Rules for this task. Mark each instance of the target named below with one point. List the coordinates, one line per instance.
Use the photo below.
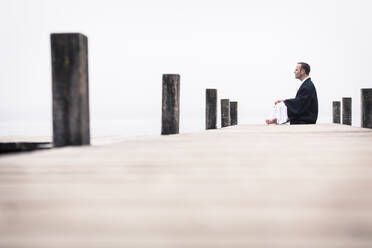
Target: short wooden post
(366, 113)
(234, 113)
(336, 106)
(225, 113)
(211, 109)
(170, 104)
(346, 111)
(70, 89)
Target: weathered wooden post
(346, 111)
(366, 113)
(234, 113)
(210, 109)
(170, 104)
(70, 89)
(225, 113)
(336, 106)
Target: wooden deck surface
(242, 186)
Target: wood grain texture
(170, 122)
(225, 113)
(366, 108)
(210, 108)
(241, 186)
(234, 113)
(336, 109)
(70, 87)
(346, 111)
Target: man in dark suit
(303, 109)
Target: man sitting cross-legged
(303, 109)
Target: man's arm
(298, 105)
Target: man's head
(302, 70)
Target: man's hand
(278, 101)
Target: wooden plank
(241, 186)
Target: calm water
(102, 127)
(98, 128)
(113, 127)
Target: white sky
(245, 49)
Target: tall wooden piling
(366, 111)
(210, 109)
(225, 113)
(336, 107)
(170, 104)
(346, 111)
(234, 113)
(70, 89)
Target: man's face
(298, 72)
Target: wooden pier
(240, 186)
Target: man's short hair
(305, 67)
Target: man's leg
(278, 115)
(281, 113)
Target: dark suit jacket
(304, 108)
